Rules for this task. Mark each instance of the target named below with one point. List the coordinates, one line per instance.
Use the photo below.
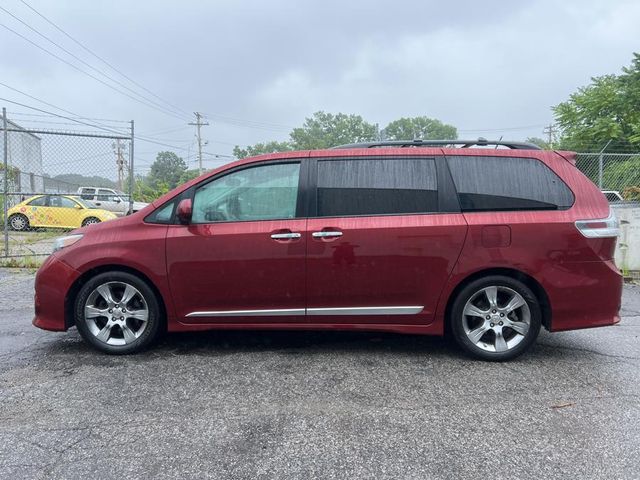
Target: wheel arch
(528, 280)
(82, 279)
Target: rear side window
(376, 187)
(507, 183)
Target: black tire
(147, 298)
(19, 222)
(90, 221)
(464, 326)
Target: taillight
(599, 228)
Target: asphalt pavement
(256, 405)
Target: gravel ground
(315, 405)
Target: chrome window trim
(402, 310)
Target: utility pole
(551, 131)
(199, 123)
(117, 147)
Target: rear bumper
(584, 295)
(53, 281)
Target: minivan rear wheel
(117, 313)
(495, 318)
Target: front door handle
(326, 234)
(285, 236)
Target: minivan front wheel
(496, 318)
(117, 312)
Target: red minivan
(419, 237)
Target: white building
(24, 159)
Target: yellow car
(58, 211)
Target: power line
(144, 139)
(100, 72)
(41, 115)
(91, 52)
(62, 116)
(49, 105)
(249, 123)
(166, 112)
(168, 130)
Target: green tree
(607, 109)
(424, 128)
(621, 174)
(539, 142)
(167, 169)
(144, 192)
(260, 148)
(326, 130)
(189, 175)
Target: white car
(109, 199)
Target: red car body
(387, 260)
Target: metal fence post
(6, 182)
(600, 161)
(131, 179)
(600, 164)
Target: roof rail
(480, 142)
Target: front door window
(267, 192)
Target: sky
(258, 68)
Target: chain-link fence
(616, 173)
(54, 180)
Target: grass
(26, 262)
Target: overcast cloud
(477, 65)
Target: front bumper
(53, 282)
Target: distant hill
(78, 180)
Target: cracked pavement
(315, 405)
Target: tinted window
(507, 183)
(376, 186)
(267, 192)
(38, 202)
(88, 193)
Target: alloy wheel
(116, 313)
(496, 318)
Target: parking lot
(315, 405)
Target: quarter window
(377, 186)
(162, 214)
(507, 183)
(266, 192)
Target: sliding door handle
(326, 234)
(285, 236)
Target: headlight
(67, 241)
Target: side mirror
(184, 211)
(118, 200)
(78, 207)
